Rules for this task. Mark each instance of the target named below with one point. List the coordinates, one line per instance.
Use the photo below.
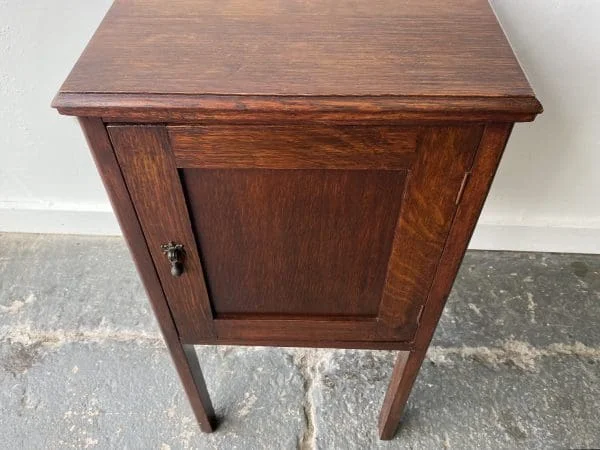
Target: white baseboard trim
(64, 219)
(560, 239)
(56, 220)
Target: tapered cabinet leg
(184, 356)
(408, 364)
(405, 372)
(188, 367)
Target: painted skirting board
(100, 220)
(536, 238)
(58, 219)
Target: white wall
(545, 196)
(48, 182)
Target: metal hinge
(420, 314)
(462, 187)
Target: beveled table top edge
(186, 107)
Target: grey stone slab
(80, 282)
(533, 297)
(108, 395)
(514, 363)
(59, 282)
(460, 403)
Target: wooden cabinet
(311, 235)
(295, 173)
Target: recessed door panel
(294, 242)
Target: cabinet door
(315, 235)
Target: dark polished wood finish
(408, 364)
(155, 191)
(321, 164)
(423, 225)
(323, 247)
(297, 147)
(153, 108)
(183, 355)
(300, 48)
(410, 59)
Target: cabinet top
(226, 55)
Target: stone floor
(515, 363)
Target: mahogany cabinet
(298, 173)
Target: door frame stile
(151, 176)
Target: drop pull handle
(175, 255)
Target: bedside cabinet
(298, 173)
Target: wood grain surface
(406, 369)
(323, 163)
(211, 52)
(300, 47)
(285, 242)
(236, 109)
(307, 147)
(149, 170)
(445, 156)
(184, 357)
